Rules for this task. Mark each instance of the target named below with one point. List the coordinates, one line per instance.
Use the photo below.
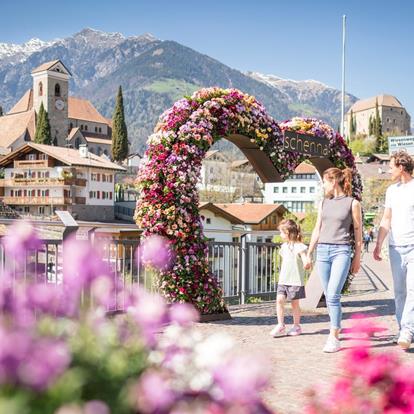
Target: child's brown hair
(292, 229)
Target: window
(311, 189)
(100, 129)
(293, 190)
(275, 189)
(77, 142)
(303, 190)
(40, 89)
(31, 157)
(284, 190)
(11, 193)
(41, 210)
(208, 220)
(70, 125)
(86, 127)
(57, 90)
(96, 129)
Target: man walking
(398, 220)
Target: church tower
(51, 86)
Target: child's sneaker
(295, 330)
(278, 330)
(405, 338)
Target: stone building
(73, 121)
(394, 118)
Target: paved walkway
(297, 363)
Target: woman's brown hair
(342, 177)
(292, 229)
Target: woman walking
(338, 226)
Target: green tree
(119, 130)
(42, 135)
(370, 126)
(382, 142)
(1, 111)
(352, 126)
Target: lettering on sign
(306, 144)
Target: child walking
(291, 279)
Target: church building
(73, 121)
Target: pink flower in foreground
(96, 407)
(241, 379)
(156, 251)
(183, 314)
(153, 393)
(21, 237)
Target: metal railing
(244, 269)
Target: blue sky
(293, 39)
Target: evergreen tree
(119, 130)
(1, 111)
(382, 142)
(370, 128)
(377, 122)
(351, 125)
(43, 135)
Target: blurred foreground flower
(21, 238)
(156, 251)
(371, 382)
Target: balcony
(80, 182)
(37, 200)
(80, 200)
(44, 181)
(34, 163)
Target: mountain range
(154, 74)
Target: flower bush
(168, 203)
(61, 354)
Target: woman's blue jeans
(333, 262)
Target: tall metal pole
(343, 76)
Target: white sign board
(401, 143)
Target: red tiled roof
(25, 103)
(79, 108)
(13, 126)
(304, 168)
(68, 156)
(250, 213)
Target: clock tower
(51, 86)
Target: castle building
(73, 121)
(394, 118)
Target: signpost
(401, 143)
(306, 144)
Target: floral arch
(168, 203)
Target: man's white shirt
(400, 199)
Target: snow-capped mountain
(13, 53)
(153, 74)
(308, 97)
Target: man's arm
(385, 226)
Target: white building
(39, 179)
(298, 193)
